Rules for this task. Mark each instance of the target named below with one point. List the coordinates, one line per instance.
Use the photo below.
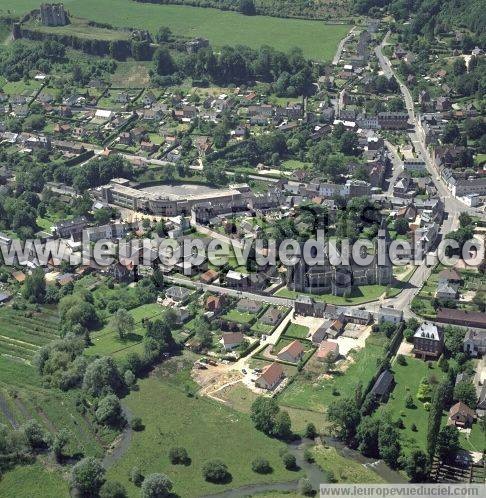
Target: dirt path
(121, 444)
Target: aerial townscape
(226, 130)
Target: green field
(296, 330)
(239, 316)
(107, 342)
(23, 334)
(33, 481)
(317, 394)
(205, 428)
(317, 39)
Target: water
(313, 472)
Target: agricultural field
(316, 394)
(194, 423)
(23, 333)
(316, 39)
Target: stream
(313, 471)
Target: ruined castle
(54, 14)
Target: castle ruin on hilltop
(54, 14)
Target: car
(244, 371)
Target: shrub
(136, 476)
(156, 486)
(261, 466)
(136, 424)
(401, 360)
(310, 431)
(216, 471)
(112, 489)
(178, 455)
(308, 456)
(305, 487)
(289, 461)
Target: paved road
(397, 166)
(339, 51)
(277, 301)
(451, 203)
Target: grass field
(317, 394)
(344, 469)
(33, 481)
(317, 39)
(205, 428)
(22, 335)
(296, 330)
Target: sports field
(317, 39)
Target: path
(339, 50)
(121, 444)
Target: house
(461, 415)
(389, 314)
(428, 341)
(4, 297)
(209, 276)
(178, 294)
(214, 303)
(320, 333)
(474, 343)
(383, 386)
(327, 348)
(447, 290)
(71, 228)
(450, 275)
(248, 306)
(272, 316)
(270, 377)
(475, 319)
(293, 352)
(336, 328)
(231, 340)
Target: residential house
(388, 314)
(215, 303)
(231, 340)
(428, 341)
(209, 276)
(293, 352)
(249, 306)
(326, 349)
(178, 294)
(270, 377)
(461, 415)
(475, 343)
(475, 319)
(272, 316)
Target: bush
(310, 431)
(87, 476)
(261, 466)
(136, 476)
(156, 486)
(401, 360)
(289, 461)
(136, 424)
(112, 489)
(216, 471)
(305, 487)
(178, 455)
(308, 456)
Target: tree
(109, 411)
(164, 64)
(136, 476)
(263, 413)
(247, 7)
(401, 226)
(216, 471)
(156, 486)
(102, 376)
(367, 436)
(112, 489)
(178, 455)
(388, 443)
(465, 391)
(409, 403)
(87, 476)
(344, 416)
(447, 442)
(164, 34)
(34, 289)
(60, 441)
(129, 378)
(282, 428)
(451, 133)
(261, 466)
(349, 143)
(465, 219)
(34, 434)
(122, 323)
(417, 466)
(310, 431)
(305, 487)
(289, 461)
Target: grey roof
(383, 384)
(429, 331)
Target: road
(339, 51)
(397, 166)
(452, 204)
(276, 301)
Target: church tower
(384, 266)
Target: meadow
(317, 39)
(172, 418)
(317, 396)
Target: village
(383, 145)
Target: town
(121, 122)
